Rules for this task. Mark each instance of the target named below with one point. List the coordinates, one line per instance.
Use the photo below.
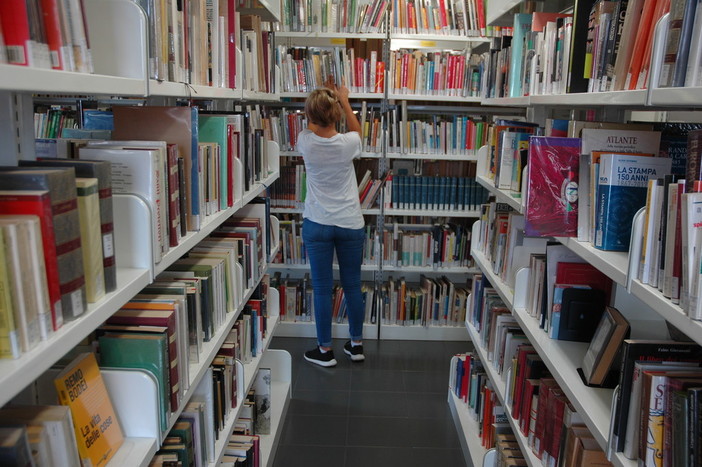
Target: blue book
(460, 196)
(522, 27)
(555, 321)
(423, 196)
(452, 195)
(621, 192)
(395, 191)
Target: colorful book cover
(81, 388)
(91, 238)
(621, 192)
(552, 187)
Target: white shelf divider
(614, 264)
(16, 374)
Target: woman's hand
(342, 92)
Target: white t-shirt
(332, 188)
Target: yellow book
(81, 388)
(90, 237)
(9, 342)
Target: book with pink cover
(552, 187)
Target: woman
(332, 216)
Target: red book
(552, 195)
(531, 387)
(557, 403)
(173, 195)
(162, 314)
(380, 77)
(39, 204)
(442, 13)
(465, 381)
(52, 29)
(481, 16)
(583, 274)
(542, 419)
(522, 352)
(644, 31)
(15, 29)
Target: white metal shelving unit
(512, 198)
(468, 429)
(36, 80)
(307, 329)
(432, 156)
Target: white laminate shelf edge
(432, 156)
(330, 35)
(690, 96)
(613, 264)
(432, 98)
(425, 333)
(134, 452)
(499, 387)
(15, 375)
(467, 428)
(430, 269)
(668, 310)
(27, 79)
(505, 292)
(431, 213)
(512, 198)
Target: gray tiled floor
(388, 411)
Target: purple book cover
(552, 187)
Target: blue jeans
(320, 243)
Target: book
(262, 390)
(102, 171)
(142, 351)
(91, 238)
(611, 331)
(56, 420)
(9, 338)
(650, 350)
(80, 387)
(174, 125)
(552, 182)
(61, 185)
(14, 447)
(621, 189)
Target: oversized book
(552, 187)
(61, 185)
(621, 192)
(80, 386)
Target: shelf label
(337, 41)
(427, 43)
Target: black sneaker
(322, 359)
(355, 352)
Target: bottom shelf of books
(466, 425)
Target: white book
(691, 226)
(671, 227)
(653, 260)
(693, 77)
(647, 248)
(135, 171)
(205, 393)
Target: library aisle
(388, 411)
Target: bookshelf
(468, 428)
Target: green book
(143, 351)
(183, 429)
(207, 295)
(213, 129)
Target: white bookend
(134, 395)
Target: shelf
(308, 329)
(499, 12)
(426, 39)
(37, 80)
(352, 95)
(259, 96)
(280, 397)
(369, 211)
(467, 428)
(306, 267)
(507, 101)
(669, 97)
(250, 370)
(614, 264)
(499, 387)
(432, 156)
(330, 35)
(194, 91)
(433, 98)
(431, 213)
(135, 452)
(628, 98)
(512, 198)
(431, 269)
(15, 375)
(562, 359)
(428, 333)
(364, 154)
(667, 309)
(503, 290)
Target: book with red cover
(54, 37)
(39, 204)
(531, 387)
(542, 419)
(15, 29)
(557, 401)
(61, 185)
(522, 352)
(147, 314)
(552, 187)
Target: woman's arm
(351, 121)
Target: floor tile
(421, 381)
(309, 456)
(389, 432)
(314, 377)
(314, 430)
(376, 380)
(378, 404)
(319, 402)
(428, 405)
(403, 457)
